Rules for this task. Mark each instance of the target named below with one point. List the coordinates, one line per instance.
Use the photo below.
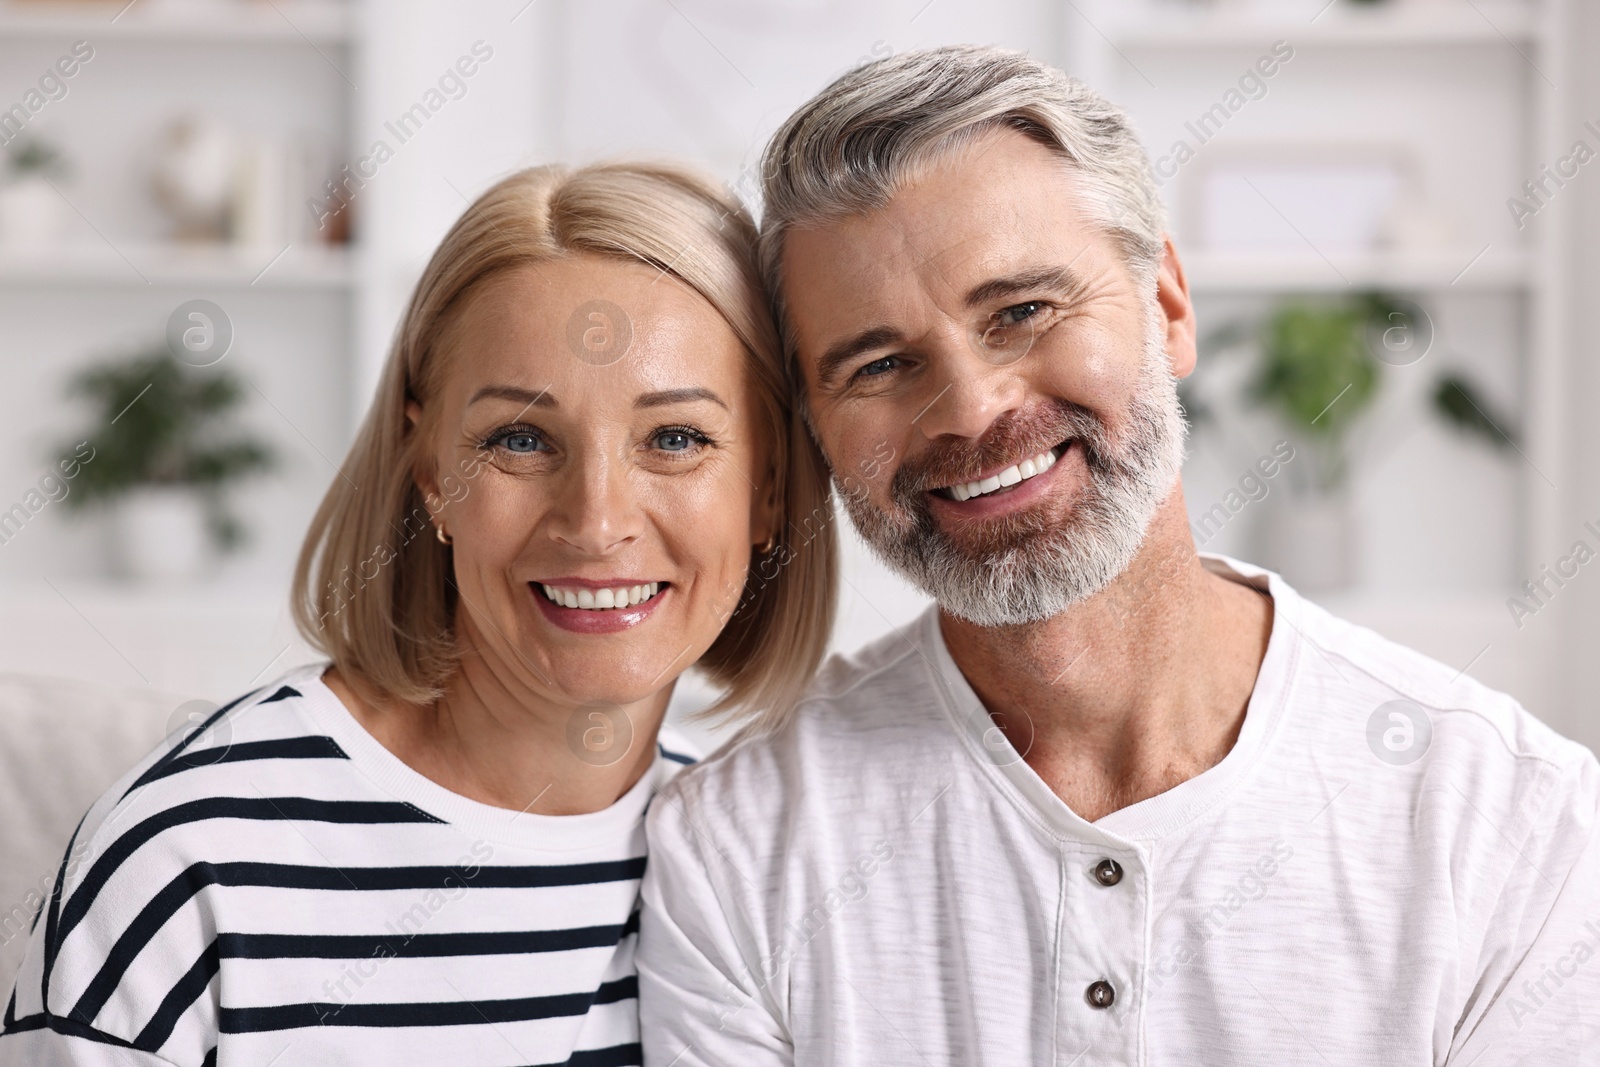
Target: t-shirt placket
(1104, 890)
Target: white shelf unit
(1393, 25)
(171, 265)
(285, 67)
(327, 23)
(1461, 270)
(1140, 51)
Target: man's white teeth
(602, 599)
(1010, 476)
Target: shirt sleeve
(704, 997)
(44, 1047)
(1536, 995)
(34, 1034)
(102, 984)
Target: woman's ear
(765, 514)
(422, 472)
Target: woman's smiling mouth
(608, 598)
(585, 606)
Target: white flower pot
(1310, 540)
(159, 535)
(32, 215)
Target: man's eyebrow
(516, 394)
(676, 396)
(842, 352)
(1062, 280)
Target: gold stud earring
(438, 531)
(772, 542)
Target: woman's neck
(492, 739)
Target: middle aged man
(1111, 802)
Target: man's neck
(1133, 691)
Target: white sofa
(62, 744)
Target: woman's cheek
(711, 519)
(501, 510)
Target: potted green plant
(31, 211)
(1317, 371)
(1317, 374)
(164, 458)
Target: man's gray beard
(1034, 569)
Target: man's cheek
(865, 463)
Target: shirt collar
(1157, 816)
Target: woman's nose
(595, 511)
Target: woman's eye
(673, 441)
(879, 366)
(521, 442)
(676, 440)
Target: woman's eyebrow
(676, 396)
(541, 399)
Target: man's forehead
(974, 208)
(924, 246)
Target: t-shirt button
(1108, 872)
(1100, 994)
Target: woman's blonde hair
(373, 588)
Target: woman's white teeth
(1028, 468)
(601, 599)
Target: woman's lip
(595, 583)
(1012, 498)
(591, 621)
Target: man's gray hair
(847, 150)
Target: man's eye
(1017, 313)
(879, 366)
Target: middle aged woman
(574, 483)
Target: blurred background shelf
(179, 266)
(189, 148)
(258, 21)
(1284, 272)
(1338, 25)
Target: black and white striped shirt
(279, 888)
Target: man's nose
(966, 392)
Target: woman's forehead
(585, 320)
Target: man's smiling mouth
(1015, 474)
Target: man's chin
(1009, 584)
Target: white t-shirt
(281, 889)
(1393, 865)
